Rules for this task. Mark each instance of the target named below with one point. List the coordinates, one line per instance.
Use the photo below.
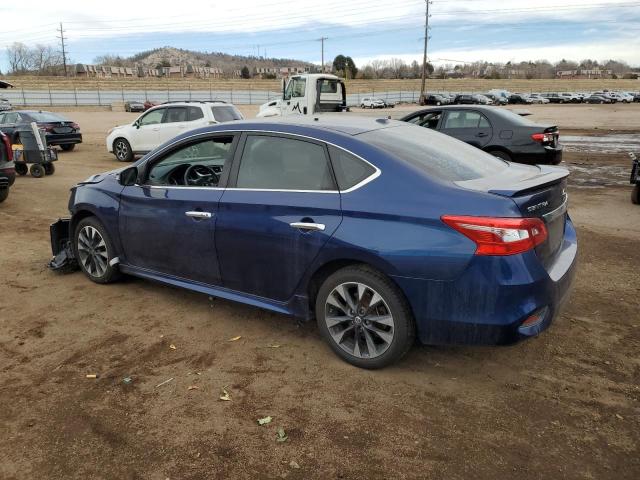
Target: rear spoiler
(522, 113)
(517, 180)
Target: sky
(460, 30)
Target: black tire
(49, 168)
(122, 150)
(501, 154)
(403, 330)
(111, 272)
(635, 195)
(4, 194)
(21, 168)
(36, 170)
(68, 147)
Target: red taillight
(7, 144)
(499, 236)
(542, 137)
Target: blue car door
(281, 207)
(167, 223)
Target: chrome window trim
(362, 183)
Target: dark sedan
(59, 131)
(436, 100)
(520, 99)
(465, 99)
(7, 168)
(381, 230)
(134, 106)
(499, 132)
(597, 99)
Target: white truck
(308, 94)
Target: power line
(64, 54)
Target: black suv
(7, 168)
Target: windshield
(46, 117)
(437, 154)
(225, 113)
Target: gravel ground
(564, 405)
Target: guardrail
(77, 97)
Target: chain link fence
(98, 97)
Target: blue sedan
(381, 230)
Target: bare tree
(18, 57)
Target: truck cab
(308, 95)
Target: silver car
(5, 105)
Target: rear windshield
(46, 117)
(226, 113)
(437, 154)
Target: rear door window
(461, 119)
(195, 113)
(175, 115)
(280, 163)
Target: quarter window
(349, 169)
(278, 163)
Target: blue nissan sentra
(381, 230)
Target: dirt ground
(563, 405)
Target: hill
(168, 56)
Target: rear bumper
(64, 138)
(539, 155)
(489, 302)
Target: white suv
(370, 102)
(164, 122)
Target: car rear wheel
(69, 147)
(364, 317)
(36, 170)
(94, 251)
(122, 150)
(4, 193)
(501, 154)
(635, 195)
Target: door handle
(481, 134)
(198, 214)
(308, 226)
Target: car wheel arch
(324, 271)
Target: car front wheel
(122, 150)
(94, 251)
(364, 317)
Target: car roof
(342, 123)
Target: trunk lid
(539, 192)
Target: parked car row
(503, 97)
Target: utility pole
(424, 58)
(322, 39)
(64, 53)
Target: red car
(7, 168)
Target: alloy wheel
(359, 320)
(92, 251)
(122, 150)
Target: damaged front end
(63, 257)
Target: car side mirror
(136, 124)
(128, 176)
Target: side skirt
(297, 306)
